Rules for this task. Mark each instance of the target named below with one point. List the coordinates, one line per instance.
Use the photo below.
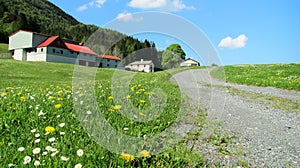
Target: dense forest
(44, 17)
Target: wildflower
(142, 101)
(89, 112)
(58, 116)
(37, 135)
(21, 149)
(53, 149)
(50, 129)
(33, 131)
(144, 153)
(111, 110)
(117, 107)
(54, 153)
(61, 133)
(127, 157)
(110, 97)
(128, 97)
(22, 98)
(36, 150)
(51, 139)
(61, 125)
(78, 165)
(63, 158)
(51, 97)
(58, 106)
(79, 152)
(126, 129)
(37, 141)
(11, 165)
(36, 163)
(44, 153)
(41, 113)
(59, 99)
(27, 159)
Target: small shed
(189, 62)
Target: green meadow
(40, 126)
(3, 48)
(284, 76)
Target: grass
(36, 96)
(284, 76)
(3, 48)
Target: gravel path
(269, 137)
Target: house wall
(109, 63)
(21, 39)
(19, 54)
(142, 68)
(38, 54)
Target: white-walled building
(31, 46)
(189, 62)
(141, 66)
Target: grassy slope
(3, 48)
(285, 76)
(31, 87)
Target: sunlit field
(285, 76)
(40, 126)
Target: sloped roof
(141, 63)
(79, 48)
(48, 41)
(111, 57)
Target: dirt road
(269, 137)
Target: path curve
(271, 136)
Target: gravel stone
(269, 137)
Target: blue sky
(242, 32)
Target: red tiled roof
(111, 57)
(82, 49)
(48, 41)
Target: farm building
(189, 62)
(108, 61)
(31, 46)
(141, 66)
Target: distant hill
(44, 17)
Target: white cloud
(82, 8)
(229, 42)
(99, 3)
(96, 3)
(165, 5)
(126, 17)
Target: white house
(141, 66)
(189, 62)
(31, 46)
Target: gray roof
(141, 63)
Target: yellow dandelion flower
(59, 99)
(117, 107)
(110, 97)
(142, 101)
(111, 110)
(58, 106)
(22, 98)
(128, 97)
(144, 153)
(80, 95)
(127, 157)
(51, 97)
(50, 129)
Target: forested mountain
(44, 17)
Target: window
(72, 52)
(116, 61)
(61, 52)
(107, 65)
(108, 60)
(42, 49)
(53, 50)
